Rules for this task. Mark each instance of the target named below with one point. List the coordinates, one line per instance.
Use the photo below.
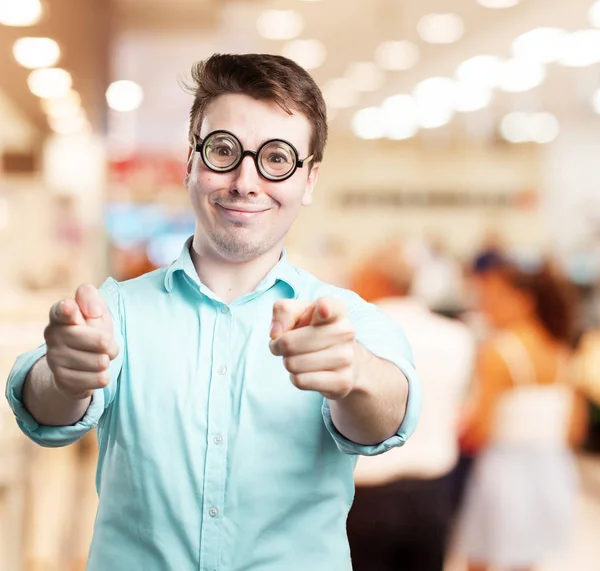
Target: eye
(221, 150)
(278, 158)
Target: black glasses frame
(199, 146)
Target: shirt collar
(282, 271)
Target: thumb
(287, 313)
(93, 307)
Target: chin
(236, 250)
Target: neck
(231, 280)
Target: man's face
(240, 215)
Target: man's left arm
(375, 408)
(372, 395)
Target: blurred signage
(146, 170)
(437, 199)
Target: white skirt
(519, 505)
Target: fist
(80, 343)
(318, 345)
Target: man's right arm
(46, 403)
(80, 346)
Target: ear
(307, 197)
(188, 167)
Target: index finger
(328, 310)
(66, 312)
(286, 314)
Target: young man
(230, 390)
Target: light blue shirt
(210, 459)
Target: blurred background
(457, 127)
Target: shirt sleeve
(383, 337)
(54, 436)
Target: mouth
(238, 212)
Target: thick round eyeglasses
(276, 160)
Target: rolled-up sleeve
(54, 436)
(385, 339)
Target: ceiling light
(124, 95)
(441, 28)
(20, 12)
(339, 93)
(435, 99)
(484, 70)
(400, 117)
(497, 4)
(543, 128)
(541, 45)
(397, 55)
(435, 91)
(365, 76)
(580, 49)
(514, 127)
(523, 128)
(471, 97)
(280, 24)
(596, 102)
(69, 125)
(401, 131)
(594, 14)
(368, 123)
(49, 82)
(310, 54)
(33, 53)
(519, 75)
(68, 104)
(433, 118)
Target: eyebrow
(262, 142)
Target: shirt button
(213, 512)
(224, 309)
(222, 370)
(218, 439)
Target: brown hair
(554, 297)
(263, 77)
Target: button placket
(218, 422)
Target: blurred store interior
(455, 125)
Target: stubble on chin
(236, 247)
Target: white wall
(386, 166)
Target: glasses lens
(277, 159)
(221, 151)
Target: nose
(247, 179)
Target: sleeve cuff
(51, 436)
(409, 423)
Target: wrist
(362, 358)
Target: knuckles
(103, 379)
(285, 344)
(345, 331)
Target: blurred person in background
(588, 364)
(216, 453)
(438, 279)
(403, 507)
(522, 421)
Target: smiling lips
(239, 212)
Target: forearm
(46, 403)
(375, 408)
